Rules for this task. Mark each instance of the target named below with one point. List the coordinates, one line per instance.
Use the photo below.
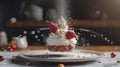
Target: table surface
(95, 48)
(101, 62)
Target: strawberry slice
(70, 34)
(52, 27)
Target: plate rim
(101, 54)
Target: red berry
(52, 27)
(1, 58)
(113, 55)
(13, 47)
(70, 34)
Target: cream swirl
(55, 40)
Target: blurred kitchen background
(97, 22)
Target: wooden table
(95, 48)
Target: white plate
(48, 56)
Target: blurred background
(97, 22)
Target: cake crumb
(13, 60)
(28, 64)
(61, 65)
(118, 61)
(78, 57)
(99, 61)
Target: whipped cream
(56, 40)
(62, 24)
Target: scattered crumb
(13, 60)
(99, 61)
(78, 57)
(116, 48)
(118, 61)
(61, 65)
(104, 55)
(28, 64)
(84, 57)
(13, 56)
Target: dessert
(60, 37)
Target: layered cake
(60, 37)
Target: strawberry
(13, 47)
(70, 34)
(1, 58)
(52, 27)
(113, 55)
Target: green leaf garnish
(13, 42)
(77, 37)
